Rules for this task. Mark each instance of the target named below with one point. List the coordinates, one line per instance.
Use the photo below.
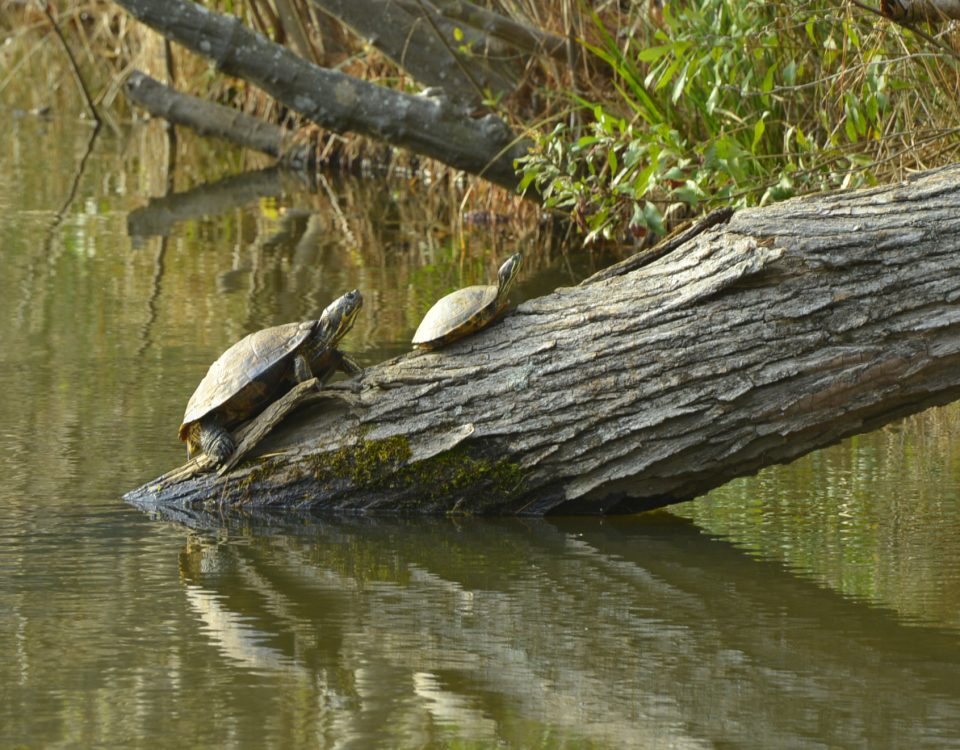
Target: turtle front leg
(350, 367)
(215, 440)
(301, 369)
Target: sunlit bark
(209, 118)
(751, 344)
(467, 65)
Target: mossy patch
(460, 480)
(364, 464)
(260, 470)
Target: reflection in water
(876, 517)
(623, 633)
(119, 630)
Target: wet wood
(782, 331)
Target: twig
(253, 432)
(456, 58)
(45, 6)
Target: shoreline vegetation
(624, 118)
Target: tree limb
(209, 118)
(430, 126)
(422, 42)
(507, 30)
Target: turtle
(260, 368)
(466, 310)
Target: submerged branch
(74, 68)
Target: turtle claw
(215, 441)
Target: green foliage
(742, 104)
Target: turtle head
(338, 318)
(507, 273)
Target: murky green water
(813, 606)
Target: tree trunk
(432, 126)
(753, 343)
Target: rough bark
(507, 30)
(427, 125)
(209, 118)
(920, 10)
(422, 42)
(753, 343)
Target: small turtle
(466, 310)
(260, 368)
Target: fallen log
(430, 48)
(752, 343)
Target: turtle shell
(459, 313)
(246, 375)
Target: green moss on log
(459, 480)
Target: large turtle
(466, 310)
(260, 368)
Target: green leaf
(790, 73)
(652, 54)
(767, 86)
(850, 129)
(674, 173)
(668, 74)
(525, 181)
(680, 84)
(758, 130)
(652, 218)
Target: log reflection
(640, 632)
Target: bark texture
(209, 118)
(753, 343)
(921, 10)
(467, 65)
(432, 126)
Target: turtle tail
(215, 441)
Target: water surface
(815, 605)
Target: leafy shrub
(742, 104)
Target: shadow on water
(636, 632)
